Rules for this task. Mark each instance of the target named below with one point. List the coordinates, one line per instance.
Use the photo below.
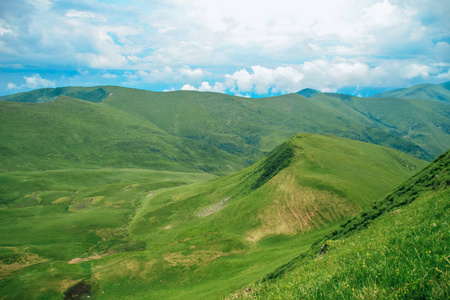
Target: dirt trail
(78, 259)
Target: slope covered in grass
(249, 127)
(71, 133)
(403, 254)
(437, 92)
(152, 235)
(238, 131)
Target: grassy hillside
(116, 233)
(249, 127)
(91, 94)
(170, 130)
(437, 92)
(424, 123)
(403, 254)
(70, 133)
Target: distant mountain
(437, 92)
(308, 92)
(186, 130)
(91, 94)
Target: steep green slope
(437, 92)
(403, 254)
(70, 133)
(186, 241)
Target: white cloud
(12, 86)
(188, 87)
(110, 76)
(4, 30)
(263, 80)
(81, 14)
(442, 51)
(168, 74)
(205, 87)
(329, 75)
(34, 81)
(443, 76)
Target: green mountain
(308, 92)
(437, 92)
(135, 233)
(191, 131)
(91, 94)
(398, 249)
(71, 133)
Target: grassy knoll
(200, 240)
(398, 249)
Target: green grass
(69, 133)
(130, 176)
(200, 240)
(403, 254)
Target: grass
(69, 133)
(125, 183)
(160, 245)
(403, 254)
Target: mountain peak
(308, 92)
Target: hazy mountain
(438, 92)
(308, 92)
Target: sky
(250, 48)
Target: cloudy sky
(242, 47)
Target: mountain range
(109, 192)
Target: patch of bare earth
(195, 258)
(25, 260)
(78, 259)
(130, 267)
(206, 211)
(296, 208)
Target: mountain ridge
(247, 129)
(435, 92)
(356, 260)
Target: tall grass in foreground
(403, 255)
